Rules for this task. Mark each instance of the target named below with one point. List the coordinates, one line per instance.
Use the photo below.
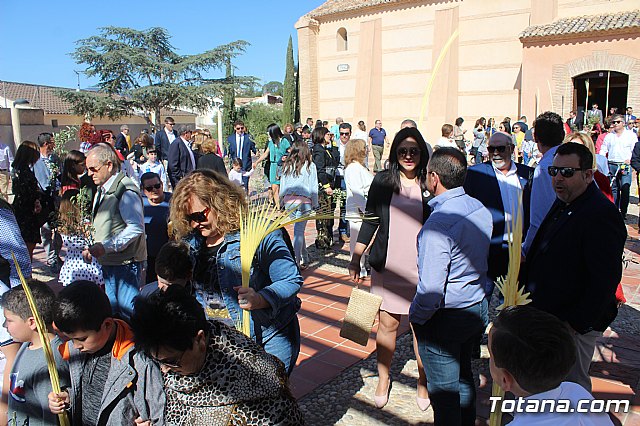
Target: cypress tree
(289, 95)
(229, 99)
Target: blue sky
(38, 35)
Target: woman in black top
(326, 161)
(397, 206)
(209, 159)
(27, 194)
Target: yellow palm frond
(44, 339)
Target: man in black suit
(181, 158)
(571, 121)
(241, 146)
(574, 264)
(497, 184)
(121, 141)
(163, 139)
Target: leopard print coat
(239, 384)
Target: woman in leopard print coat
(213, 374)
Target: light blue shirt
(453, 247)
(43, 173)
(132, 213)
(542, 197)
(304, 185)
(12, 241)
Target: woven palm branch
(255, 224)
(513, 294)
(44, 339)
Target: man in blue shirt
(377, 140)
(453, 247)
(156, 215)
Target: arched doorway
(606, 88)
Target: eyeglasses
(413, 151)
(95, 169)
(171, 363)
(564, 171)
(152, 187)
(170, 124)
(500, 149)
(617, 122)
(239, 128)
(345, 133)
(198, 217)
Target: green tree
(140, 71)
(229, 105)
(257, 118)
(273, 87)
(289, 90)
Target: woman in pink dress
(398, 201)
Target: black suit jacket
(574, 264)
(211, 161)
(179, 161)
(482, 184)
(122, 145)
(161, 141)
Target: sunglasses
(198, 217)
(564, 171)
(617, 122)
(171, 363)
(239, 128)
(344, 134)
(95, 169)
(500, 149)
(152, 187)
(413, 151)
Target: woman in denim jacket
(205, 212)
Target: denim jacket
(274, 275)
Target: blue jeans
(621, 185)
(122, 283)
(445, 343)
(299, 244)
(285, 345)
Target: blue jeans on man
(445, 343)
(122, 283)
(343, 225)
(621, 185)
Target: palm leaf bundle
(513, 294)
(256, 223)
(44, 339)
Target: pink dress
(397, 283)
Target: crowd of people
(146, 321)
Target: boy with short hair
(30, 383)
(111, 382)
(236, 174)
(174, 265)
(531, 354)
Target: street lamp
(217, 104)
(15, 122)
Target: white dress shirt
(170, 136)
(188, 145)
(619, 147)
(6, 157)
(510, 189)
(239, 141)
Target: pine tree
(289, 95)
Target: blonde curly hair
(225, 199)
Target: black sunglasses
(500, 149)
(413, 151)
(344, 134)
(152, 187)
(564, 171)
(198, 217)
(617, 122)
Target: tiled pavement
(324, 354)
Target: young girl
(236, 173)
(299, 193)
(73, 166)
(71, 226)
(153, 165)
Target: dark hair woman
(326, 162)
(277, 150)
(27, 194)
(74, 165)
(397, 202)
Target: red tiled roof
(331, 7)
(608, 23)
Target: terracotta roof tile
(47, 99)
(620, 22)
(331, 7)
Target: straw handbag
(361, 312)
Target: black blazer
(378, 201)
(323, 158)
(211, 161)
(482, 184)
(161, 141)
(122, 145)
(574, 264)
(179, 161)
